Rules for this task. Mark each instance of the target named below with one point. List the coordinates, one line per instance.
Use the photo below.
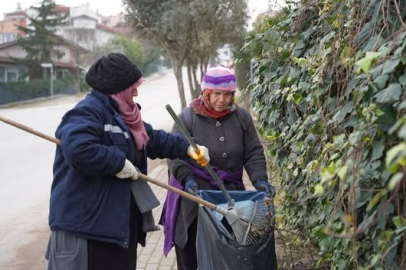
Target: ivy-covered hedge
(330, 95)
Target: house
(225, 56)
(83, 26)
(9, 26)
(86, 28)
(12, 71)
(117, 23)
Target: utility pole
(51, 68)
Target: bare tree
(187, 29)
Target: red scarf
(202, 106)
(131, 115)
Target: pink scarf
(132, 117)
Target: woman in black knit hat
(98, 214)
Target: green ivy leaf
(297, 98)
(402, 105)
(394, 180)
(402, 79)
(384, 210)
(390, 65)
(390, 94)
(397, 125)
(365, 63)
(375, 259)
(342, 172)
(377, 150)
(394, 152)
(399, 221)
(400, 230)
(335, 156)
(318, 189)
(402, 132)
(354, 137)
(363, 197)
(300, 61)
(340, 115)
(375, 200)
(367, 221)
(381, 81)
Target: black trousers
(186, 258)
(109, 256)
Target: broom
(250, 219)
(244, 221)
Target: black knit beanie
(112, 74)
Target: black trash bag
(216, 247)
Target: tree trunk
(197, 89)
(35, 72)
(189, 77)
(201, 70)
(177, 69)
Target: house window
(2, 74)
(62, 73)
(7, 37)
(11, 74)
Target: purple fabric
(169, 213)
(219, 80)
(171, 204)
(235, 177)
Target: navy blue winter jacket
(86, 197)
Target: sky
(114, 7)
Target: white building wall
(84, 23)
(15, 51)
(31, 13)
(225, 56)
(103, 37)
(83, 10)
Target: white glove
(128, 171)
(201, 156)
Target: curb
(30, 101)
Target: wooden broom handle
(178, 191)
(140, 175)
(30, 130)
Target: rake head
(250, 220)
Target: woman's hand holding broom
(200, 155)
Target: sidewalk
(151, 256)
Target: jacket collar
(106, 100)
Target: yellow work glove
(201, 155)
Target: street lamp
(51, 67)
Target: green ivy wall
(329, 91)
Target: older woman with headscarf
(227, 130)
(98, 214)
